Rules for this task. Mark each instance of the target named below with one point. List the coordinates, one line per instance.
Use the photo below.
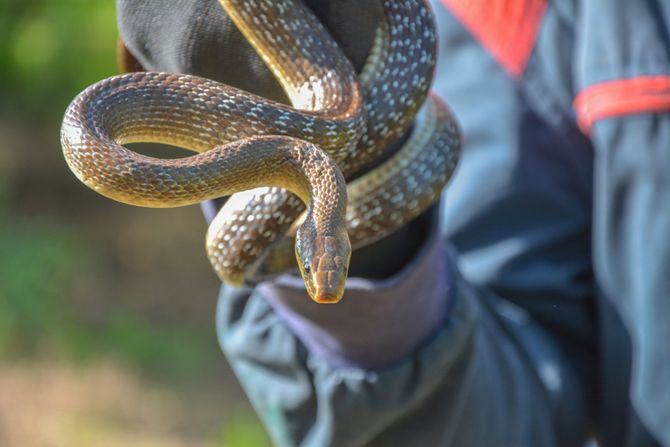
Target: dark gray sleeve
(632, 249)
(487, 376)
(420, 358)
(479, 373)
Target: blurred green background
(106, 311)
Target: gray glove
(197, 37)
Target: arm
(358, 373)
(624, 104)
(632, 243)
(417, 357)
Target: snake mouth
(328, 286)
(327, 297)
(325, 286)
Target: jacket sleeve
(486, 375)
(632, 249)
(623, 76)
(425, 357)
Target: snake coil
(335, 125)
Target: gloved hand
(197, 37)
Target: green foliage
(242, 431)
(52, 49)
(49, 51)
(40, 258)
(152, 348)
(43, 262)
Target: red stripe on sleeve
(622, 97)
(506, 28)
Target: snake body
(244, 141)
(379, 202)
(395, 81)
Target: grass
(42, 265)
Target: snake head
(324, 264)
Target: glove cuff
(378, 322)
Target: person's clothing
(504, 329)
(586, 129)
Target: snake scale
(337, 123)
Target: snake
(243, 141)
(378, 202)
(395, 81)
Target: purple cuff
(378, 322)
